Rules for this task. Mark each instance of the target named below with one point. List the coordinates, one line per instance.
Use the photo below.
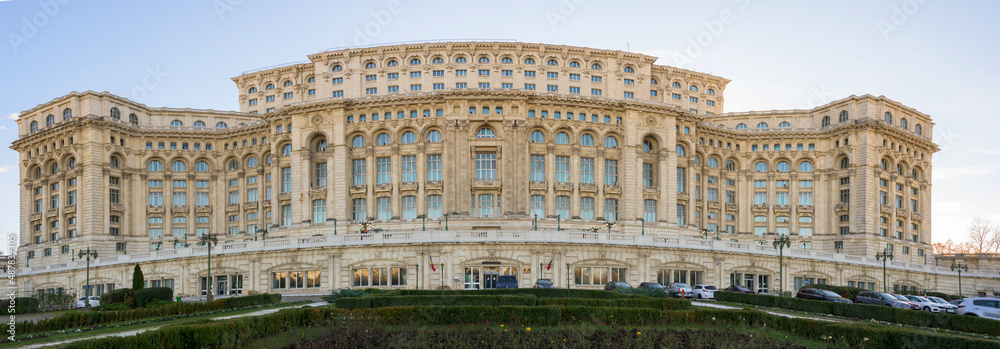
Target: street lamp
(334, 226)
(643, 225)
(884, 256)
(209, 240)
(960, 267)
(423, 222)
(90, 254)
(780, 243)
(178, 242)
(535, 224)
(609, 225)
(364, 226)
(558, 224)
(446, 221)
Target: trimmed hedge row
(93, 318)
(522, 300)
(843, 291)
(152, 294)
(538, 292)
(241, 332)
(864, 311)
(23, 305)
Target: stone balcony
(805, 208)
(408, 186)
(358, 189)
(732, 207)
(564, 186)
(438, 185)
(782, 208)
(588, 187)
(486, 183)
(154, 209)
(384, 187)
(203, 209)
(612, 189)
(842, 207)
(760, 207)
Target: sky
(938, 57)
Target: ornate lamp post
(90, 254)
(423, 222)
(334, 226)
(178, 242)
(884, 256)
(535, 224)
(643, 225)
(960, 267)
(780, 243)
(209, 240)
(609, 225)
(364, 226)
(446, 221)
(558, 223)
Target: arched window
(574, 64)
(647, 146)
(885, 165)
(902, 123)
(49, 120)
(888, 118)
(762, 126)
(562, 138)
(899, 169)
(484, 60)
(370, 65)
(199, 123)
(115, 114)
(408, 138)
(234, 165)
(680, 150)
(71, 164)
(915, 175)
(694, 88)
(845, 163)
(782, 166)
(713, 162)
(529, 61)
(826, 121)
(697, 160)
(806, 166)
(595, 66)
(288, 83)
(382, 139)
(392, 63)
(201, 166)
(486, 132)
(918, 129)
(652, 81)
(760, 166)
(587, 140)
(115, 163)
(338, 67)
(178, 166)
(320, 145)
(252, 162)
(38, 172)
(67, 113)
(460, 59)
(269, 87)
(506, 60)
(155, 166)
(415, 61)
(552, 62)
(358, 142)
(311, 79)
(730, 165)
(537, 137)
(221, 125)
(54, 168)
(176, 123)
(784, 124)
(628, 69)
(437, 60)
(675, 84)
(286, 150)
(711, 91)
(611, 142)
(34, 126)
(133, 119)
(434, 137)
(843, 116)
(252, 90)
(741, 126)
(267, 160)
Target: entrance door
(490, 280)
(750, 282)
(222, 285)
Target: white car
(926, 304)
(94, 302)
(979, 306)
(704, 291)
(948, 307)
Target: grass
(154, 323)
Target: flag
(432, 263)
(547, 267)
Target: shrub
(114, 306)
(116, 296)
(345, 292)
(137, 280)
(152, 294)
(393, 301)
(155, 304)
(23, 305)
(643, 291)
(538, 292)
(246, 301)
(843, 291)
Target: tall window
(383, 208)
(760, 198)
(486, 165)
(434, 206)
(180, 198)
(681, 215)
(359, 208)
(611, 210)
(286, 179)
(358, 172)
(562, 206)
(409, 206)
(383, 168)
(587, 170)
(647, 175)
(781, 198)
(681, 179)
(409, 169)
(537, 205)
(805, 198)
(321, 174)
(610, 172)
(562, 169)
(649, 210)
(286, 215)
(433, 167)
(319, 211)
(587, 208)
(485, 205)
(538, 168)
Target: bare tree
(951, 247)
(984, 236)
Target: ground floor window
(483, 277)
(585, 276)
(756, 282)
(168, 283)
(379, 277)
(295, 279)
(801, 282)
(861, 284)
(690, 277)
(97, 289)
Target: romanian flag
(547, 267)
(432, 263)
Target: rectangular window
(629, 95)
(529, 73)
(234, 197)
(358, 172)
(781, 198)
(562, 169)
(537, 203)
(383, 208)
(595, 92)
(461, 72)
(649, 210)
(156, 199)
(437, 73)
(383, 170)
(286, 179)
(320, 174)
(484, 72)
(681, 215)
(529, 87)
(805, 198)
(289, 95)
(587, 170)
(434, 167)
(359, 209)
(760, 198)
(805, 184)
(574, 90)
(434, 209)
(574, 77)
(595, 79)
(409, 206)
(506, 85)
(438, 86)
(409, 174)
(506, 73)
(390, 89)
(681, 179)
(485, 205)
(319, 211)
(180, 199)
(647, 175)
(537, 168)
(611, 210)
(587, 208)
(486, 165)
(461, 85)
(562, 206)
(845, 195)
(416, 87)
(371, 91)
(552, 88)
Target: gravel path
(720, 306)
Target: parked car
(651, 286)
(614, 285)
(913, 305)
(926, 304)
(94, 302)
(980, 306)
(507, 281)
(738, 288)
(880, 298)
(948, 307)
(543, 283)
(956, 302)
(821, 295)
(676, 289)
(704, 291)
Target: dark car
(507, 281)
(651, 286)
(543, 283)
(614, 285)
(913, 305)
(738, 288)
(879, 298)
(821, 295)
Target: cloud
(942, 173)
(986, 151)
(13, 116)
(4, 128)
(7, 169)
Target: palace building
(446, 164)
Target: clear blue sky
(938, 57)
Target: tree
(950, 247)
(984, 236)
(137, 281)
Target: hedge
(865, 311)
(23, 305)
(241, 332)
(522, 300)
(843, 291)
(538, 292)
(94, 318)
(148, 295)
(118, 296)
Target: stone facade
(365, 167)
